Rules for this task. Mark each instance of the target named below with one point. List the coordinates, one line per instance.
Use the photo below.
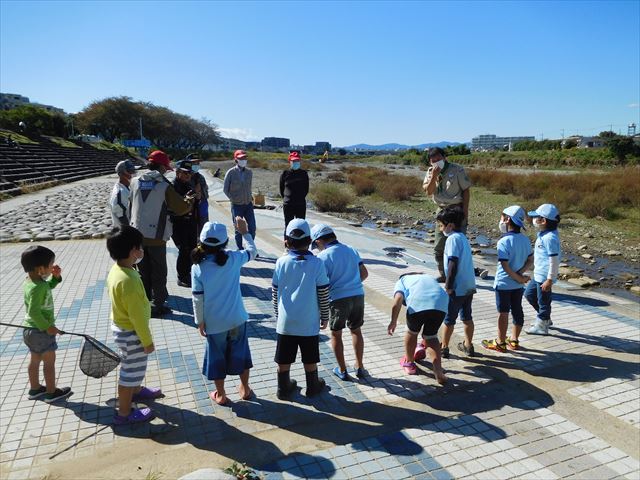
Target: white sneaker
(484, 274)
(540, 327)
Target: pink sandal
(420, 353)
(409, 367)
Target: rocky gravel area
(72, 214)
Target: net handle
(62, 332)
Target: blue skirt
(227, 353)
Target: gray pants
(153, 270)
(438, 248)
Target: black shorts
(428, 320)
(348, 311)
(287, 348)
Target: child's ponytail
(221, 255)
(199, 253)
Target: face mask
(242, 163)
(139, 259)
(195, 168)
(295, 165)
(439, 164)
(502, 226)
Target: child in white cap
(300, 290)
(218, 309)
(514, 258)
(546, 264)
(346, 271)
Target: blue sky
(343, 72)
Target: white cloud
(634, 105)
(244, 134)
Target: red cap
(294, 157)
(160, 158)
(238, 154)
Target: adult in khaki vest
(448, 185)
(153, 199)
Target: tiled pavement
(496, 419)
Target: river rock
(635, 289)
(23, 238)
(582, 247)
(43, 236)
(567, 271)
(587, 256)
(584, 282)
(613, 253)
(63, 236)
(475, 251)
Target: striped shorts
(134, 361)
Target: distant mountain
(398, 146)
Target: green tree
(620, 147)
(38, 120)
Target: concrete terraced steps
(49, 163)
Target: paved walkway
(565, 406)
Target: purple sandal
(137, 415)
(147, 393)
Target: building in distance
(275, 144)
(9, 101)
(493, 142)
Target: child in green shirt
(40, 337)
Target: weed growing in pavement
(242, 472)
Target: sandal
(513, 344)
(409, 367)
(147, 393)
(421, 352)
(495, 345)
(137, 415)
(216, 398)
(248, 395)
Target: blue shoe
(341, 375)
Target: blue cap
(213, 234)
(516, 213)
(320, 230)
(298, 224)
(547, 210)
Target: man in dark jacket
(294, 186)
(185, 227)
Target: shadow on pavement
(386, 263)
(576, 367)
(174, 426)
(261, 272)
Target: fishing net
(96, 359)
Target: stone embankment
(70, 214)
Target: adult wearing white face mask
(294, 187)
(237, 187)
(448, 185)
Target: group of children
(428, 305)
(309, 293)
